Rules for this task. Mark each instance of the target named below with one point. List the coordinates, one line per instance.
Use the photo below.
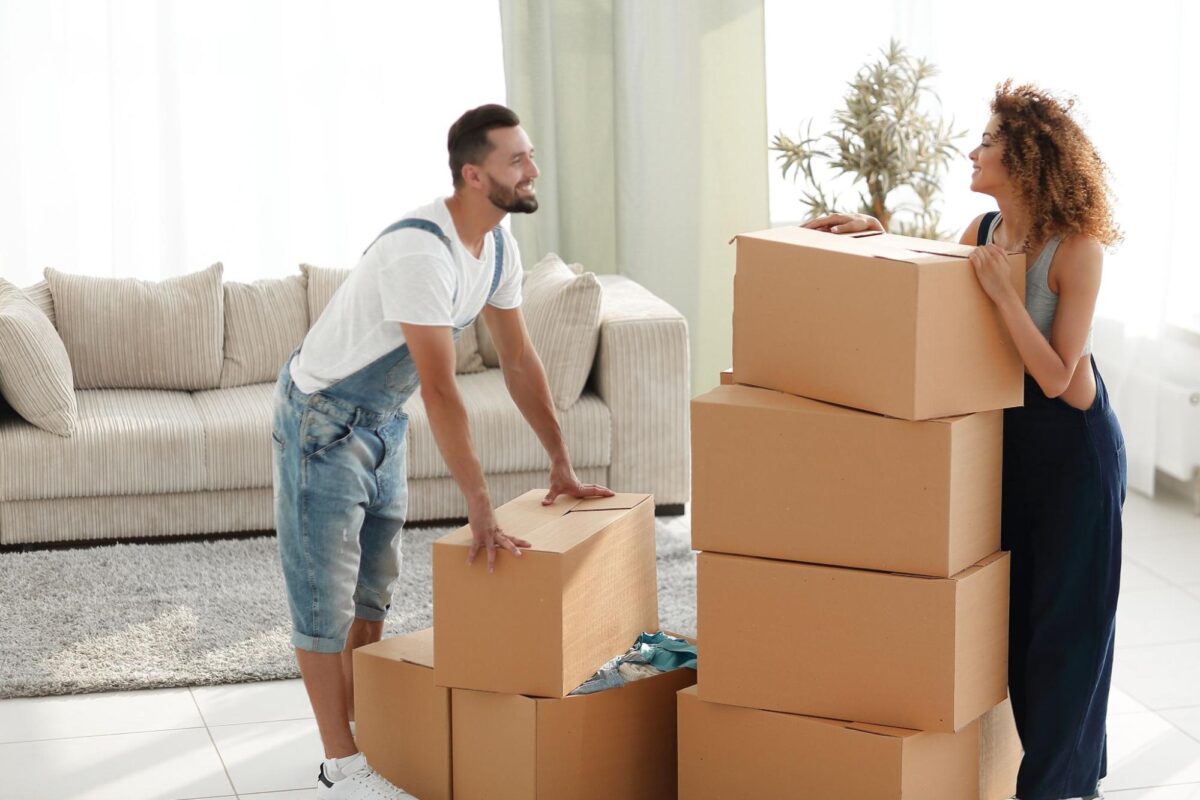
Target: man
(339, 427)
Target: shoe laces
(378, 785)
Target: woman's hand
(991, 268)
(844, 223)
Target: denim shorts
(341, 496)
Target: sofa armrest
(642, 373)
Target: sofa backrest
(265, 322)
(133, 334)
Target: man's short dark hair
(468, 138)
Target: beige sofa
(153, 462)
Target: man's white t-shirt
(406, 276)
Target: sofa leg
(669, 510)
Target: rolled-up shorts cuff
(369, 613)
(316, 644)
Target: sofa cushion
(39, 293)
(264, 322)
(503, 439)
(323, 282)
(237, 435)
(562, 311)
(126, 333)
(126, 441)
(35, 372)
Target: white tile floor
(259, 740)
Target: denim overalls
(341, 488)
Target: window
(154, 138)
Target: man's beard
(507, 199)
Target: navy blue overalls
(1063, 490)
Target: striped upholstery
(227, 511)
(146, 463)
(323, 282)
(562, 310)
(127, 441)
(264, 322)
(466, 349)
(39, 293)
(487, 348)
(86, 518)
(35, 373)
(503, 439)
(642, 376)
(134, 441)
(237, 435)
(132, 334)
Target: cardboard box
(1000, 753)
(615, 743)
(544, 623)
(883, 323)
(403, 717)
(785, 477)
(727, 377)
(928, 654)
(733, 752)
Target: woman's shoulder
(971, 234)
(1077, 261)
(1080, 246)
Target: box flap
(692, 693)
(415, 648)
(888, 246)
(882, 730)
(755, 397)
(519, 517)
(978, 565)
(930, 246)
(526, 518)
(620, 501)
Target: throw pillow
(323, 282)
(124, 333)
(562, 311)
(265, 322)
(39, 293)
(35, 372)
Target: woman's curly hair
(1059, 176)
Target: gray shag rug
(141, 616)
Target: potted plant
(889, 139)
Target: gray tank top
(1040, 301)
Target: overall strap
(985, 227)
(419, 224)
(498, 236)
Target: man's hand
(844, 223)
(486, 533)
(564, 481)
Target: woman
(1064, 455)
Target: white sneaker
(353, 779)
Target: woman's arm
(1079, 262)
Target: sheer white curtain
(1134, 70)
(649, 123)
(147, 138)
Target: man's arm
(525, 378)
(432, 349)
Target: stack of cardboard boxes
(852, 598)
(481, 710)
